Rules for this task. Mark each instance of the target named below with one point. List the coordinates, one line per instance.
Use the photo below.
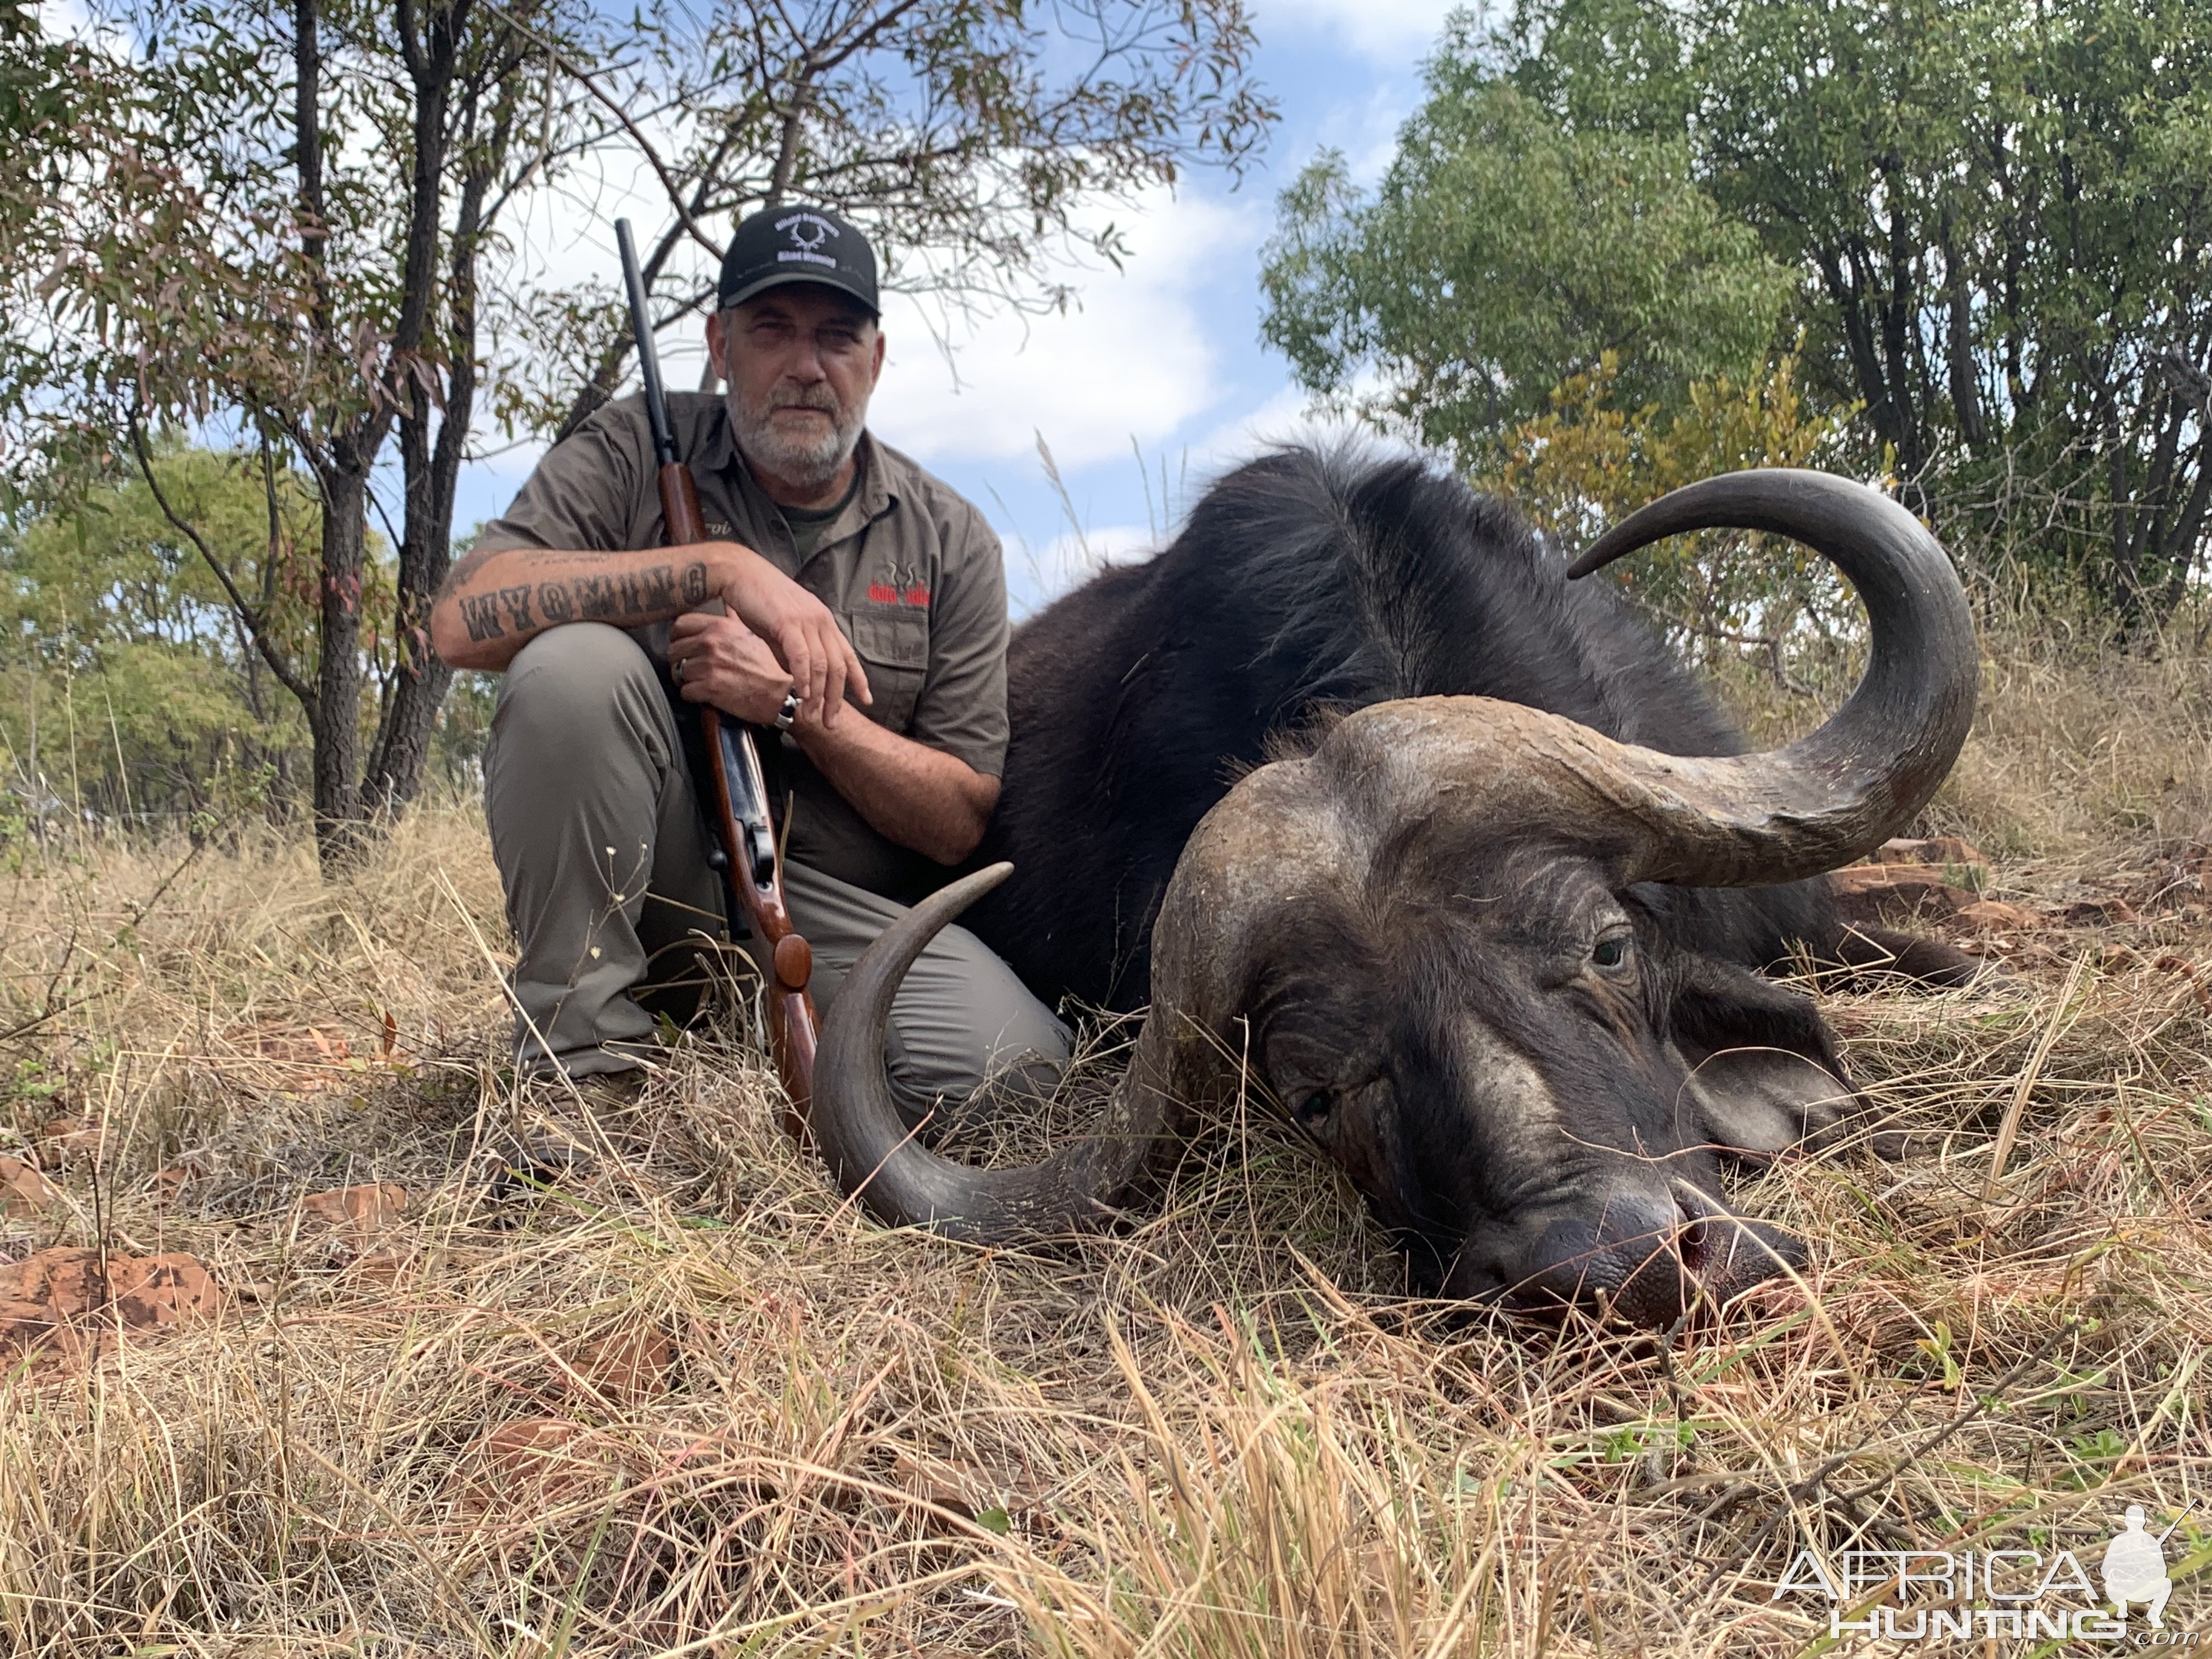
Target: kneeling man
(840, 567)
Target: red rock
(1896, 892)
(356, 1213)
(71, 1137)
(1933, 849)
(534, 1462)
(23, 1190)
(1995, 916)
(155, 1293)
(73, 1291)
(627, 1367)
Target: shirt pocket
(893, 648)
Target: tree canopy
(1990, 223)
(132, 685)
(1504, 250)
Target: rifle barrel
(649, 355)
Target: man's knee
(577, 686)
(991, 1021)
(1024, 1031)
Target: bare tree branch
(256, 624)
(584, 78)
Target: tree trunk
(1846, 285)
(419, 679)
(1959, 343)
(336, 721)
(342, 473)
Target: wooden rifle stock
(792, 1021)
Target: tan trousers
(602, 850)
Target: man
(2134, 1571)
(841, 568)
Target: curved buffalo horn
(1707, 820)
(1827, 798)
(871, 1153)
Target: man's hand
(797, 627)
(719, 660)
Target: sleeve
(579, 497)
(963, 706)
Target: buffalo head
(1426, 938)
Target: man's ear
(717, 344)
(1765, 1075)
(876, 368)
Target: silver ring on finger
(676, 670)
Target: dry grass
(2079, 748)
(730, 1416)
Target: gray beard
(808, 465)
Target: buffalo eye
(1611, 953)
(1312, 1107)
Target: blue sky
(1162, 358)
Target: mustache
(820, 398)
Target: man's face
(802, 362)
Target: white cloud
(1388, 31)
(1184, 472)
(1283, 418)
(1069, 561)
(1135, 360)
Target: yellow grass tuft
(690, 1402)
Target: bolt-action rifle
(736, 794)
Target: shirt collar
(879, 490)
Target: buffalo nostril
(1647, 1262)
(1696, 1241)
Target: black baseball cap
(798, 245)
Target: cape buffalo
(1488, 937)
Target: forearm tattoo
(629, 596)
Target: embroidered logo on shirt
(900, 586)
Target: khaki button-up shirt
(910, 570)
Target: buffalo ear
(1765, 1075)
